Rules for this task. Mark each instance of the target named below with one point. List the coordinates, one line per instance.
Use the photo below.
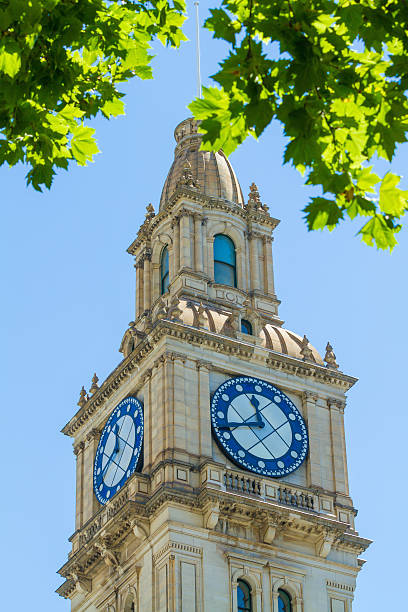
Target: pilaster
(338, 445)
(79, 454)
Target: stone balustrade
(274, 491)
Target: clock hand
(255, 404)
(242, 424)
(114, 453)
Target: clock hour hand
(255, 404)
(241, 424)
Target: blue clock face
(258, 426)
(119, 448)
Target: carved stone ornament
(324, 545)
(201, 321)
(187, 179)
(175, 311)
(110, 556)
(211, 515)
(269, 530)
(95, 385)
(150, 211)
(230, 326)
(305, 350)
(254, 200)
(83, 585)
(83, 398)
(330, 358)
(161, 312)
(140, 531)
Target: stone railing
(241, 483)
(274, 491)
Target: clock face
(258, 426)
(119, 448)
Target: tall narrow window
(284, 601)
(244, 596)
(164, 271)
(224, 261)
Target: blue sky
(68, 294)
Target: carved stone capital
(333, 401)
(94, 433)
(110, 556)
(310, 396)
(201, 363)
(78, 448)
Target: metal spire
(199, 93)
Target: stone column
(269, 280)
(90, 504)
(146, 280)
(204, 421)
(185, 240)
(314, 478)
(176, 244)
(148, 410)
(338, 443)
(254, 266)
(198, 243)
(79, 454)
(139, 288)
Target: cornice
(208, 203)
(201, 337)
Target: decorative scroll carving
(211, 515)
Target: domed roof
(273, 337)
(211, 173)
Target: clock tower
(211, 471)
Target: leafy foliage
(60, 64)
(335, 74)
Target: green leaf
(393, 201)
(83, 144)
(113, 108)
(321, 213)
(10, 60)
(378, 232)
(367, 179)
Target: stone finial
(83, 398)
(150, 210)
(330, 357)
(95, 385)
(187, 179)
(305, 350)
(254, 199)
(253, 196)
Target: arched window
(246, 327)
(224, 261)
(244, 596)
(284, 601)
(164, 271)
